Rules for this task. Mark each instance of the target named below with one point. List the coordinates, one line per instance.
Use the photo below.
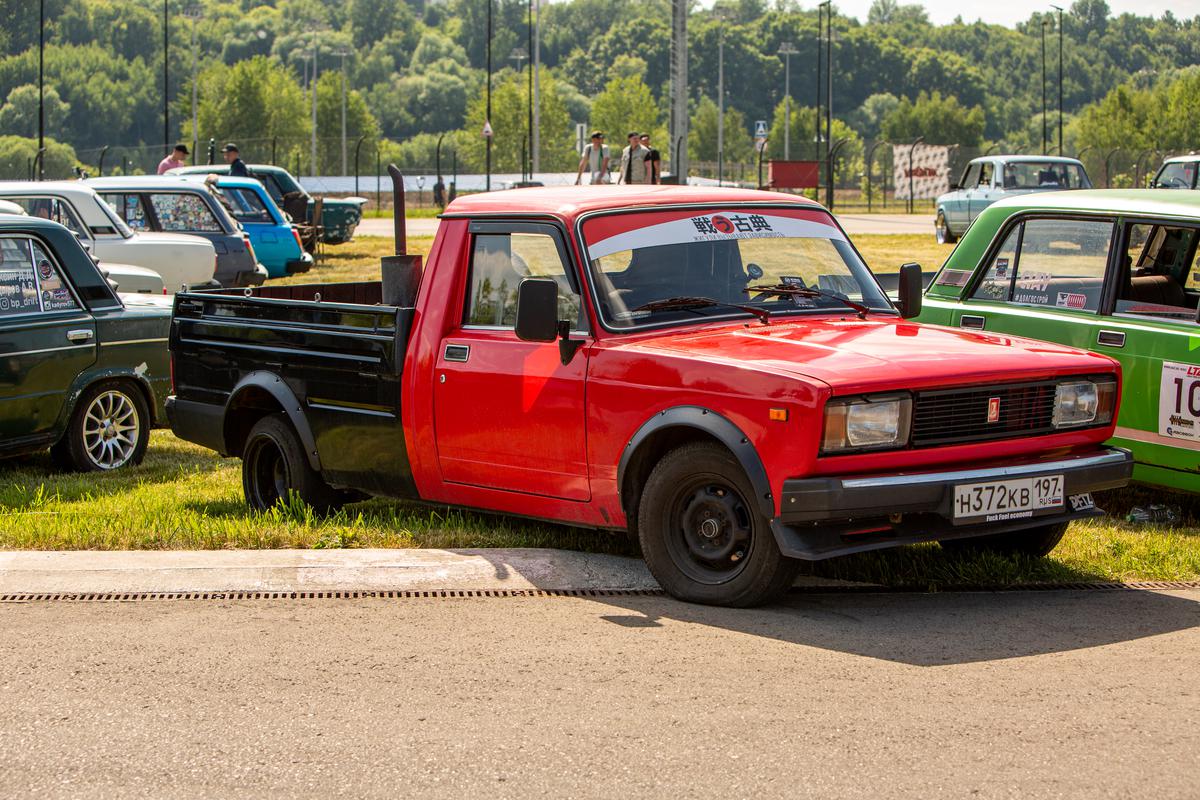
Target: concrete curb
(173, 571)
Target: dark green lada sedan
(1114, 272)
(84, 371)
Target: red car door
(509, 414)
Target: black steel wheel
(941, 230)
(274, 466)
(702, 534)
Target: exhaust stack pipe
(401, 273)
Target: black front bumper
(297, 265)
(826, 517)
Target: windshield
(640, 260)
(1044, 175)
(244, 204)
(1176, 175)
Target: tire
(941, 230)
(109, 429)
(1036, 542)
(702, 535)
(274, 465)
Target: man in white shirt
(595, 158)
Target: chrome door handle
(81, 335)
(456, 352)
(972, 321)
(1111, 338)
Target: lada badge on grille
(993, 409)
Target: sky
(1010, 12)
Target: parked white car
(128, 278)
(180, 259)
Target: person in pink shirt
(178, 158)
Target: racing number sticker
(1179, 401)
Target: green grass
(185, 497)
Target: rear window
(1044, 175)
(30, 281)
(184, 213)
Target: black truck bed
(328, 355)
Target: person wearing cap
(633, 160)
(177, 158)
(595, 158)
(237, 167)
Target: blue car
(276, 242)
(990, 178)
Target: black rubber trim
(277, 388)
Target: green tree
(625, 105)
(19, 114)
(251, 103)
(702, 134)
(941, 120)
(18, 152)
(509, 125)
(371, 20)
(359, 122)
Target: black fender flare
(275, 386)
(716, 426)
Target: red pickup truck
(717, 371)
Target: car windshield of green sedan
(1115, 272)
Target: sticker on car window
(1001, 267)
(1071, 300)
(1179, 401)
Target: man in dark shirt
(237, 167)
(653, 161)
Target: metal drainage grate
(111, 597)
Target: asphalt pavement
(855, 225)
(1005, 695)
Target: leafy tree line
(415, 72)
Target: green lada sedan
(1114, 272)
(84, 371)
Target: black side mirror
(910, 290)
(537, 310)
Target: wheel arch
(89, 378)
(680, 425)
(254, 397)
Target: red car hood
(854, 355)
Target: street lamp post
(194, 13)
(720, 103)
(787, 50)
(166, 77)
(313, 154)
(343, 52)
(487, 120)
(820, 66)
(41, 83)
(529, 33)
(1060, 77)
(1045, 133)
(518, 55)
(536, 110)
(829, 101)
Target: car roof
(569, 202)
(141, 182)
(224, 180)
(1182, 159)
(192, 169)
(1151, 202)
(1040, 159)
(25, 223)
(46, 187)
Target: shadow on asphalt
(933, 629)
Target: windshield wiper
(788, 290)
(691, 303)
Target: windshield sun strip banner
(617, 233)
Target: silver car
(990, 178)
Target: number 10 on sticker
(1179, 401)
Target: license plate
(994, 501)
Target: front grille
(957, 416)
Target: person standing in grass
(233, 157)
(178, 158)
(653, 161)
(633, 160)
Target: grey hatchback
(169, 204)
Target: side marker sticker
(1179, 401)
